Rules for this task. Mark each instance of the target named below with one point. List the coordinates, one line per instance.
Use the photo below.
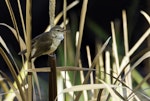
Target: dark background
(100, 12)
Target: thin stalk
(28, 43)
(65, 40)
(126, 45)
(93, 65)
(81, 27)
(52, 5)
(90, 63)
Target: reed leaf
(14, 89)
(13, 72)
(93, 64)
(89, 87)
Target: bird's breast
(54, 45)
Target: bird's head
(57, 32)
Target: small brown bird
(46, 43)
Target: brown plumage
(46, 43)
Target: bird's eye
(58, 30)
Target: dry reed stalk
(28, 44)
(128, 79)
(81, 27)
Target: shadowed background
(97, 25)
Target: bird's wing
(39, 37)
(34, 42)
(41, 45)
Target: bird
(46, 43)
